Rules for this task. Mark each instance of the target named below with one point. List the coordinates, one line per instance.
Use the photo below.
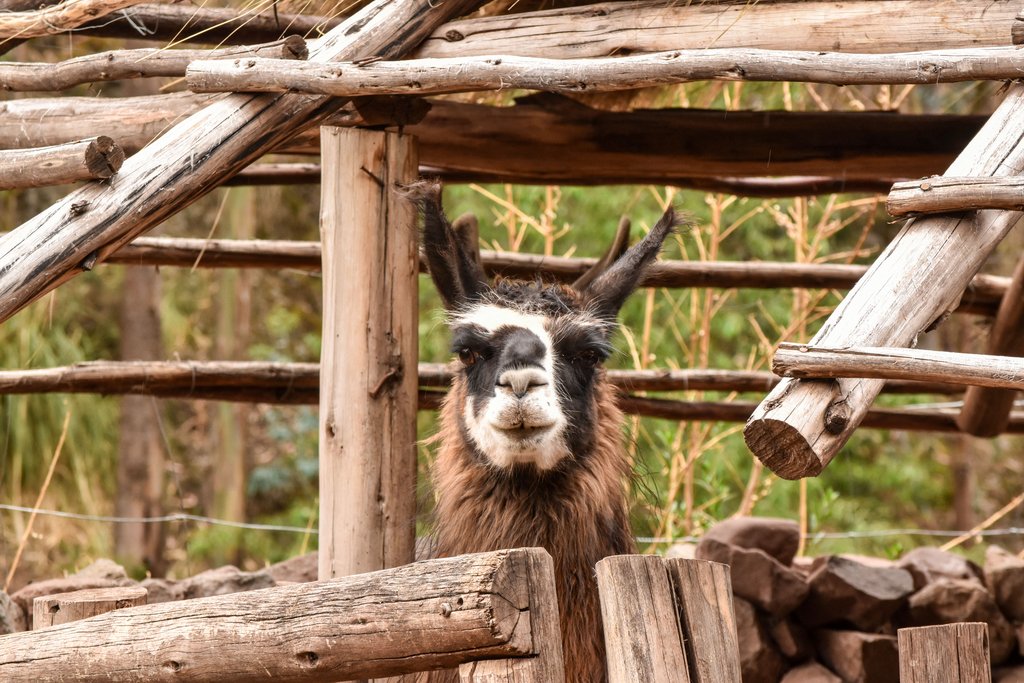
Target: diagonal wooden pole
(194, 157)
(801, 425)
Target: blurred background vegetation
(688, 474)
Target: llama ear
(608, 290)
(618, 248)
(452, 252)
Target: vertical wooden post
(53, 610)
(703, 592)
(953, 653)
(641, 628)
(369, 353)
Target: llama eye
(468, 356)
(587, 357)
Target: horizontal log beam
(815, 362)
(550, 139)
(946, 195)
(618, 28)
(123, 64)
(422, 616)
(569, 76)
(57, 18)
(296, 383)
(91, 159)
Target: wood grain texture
(918, 278)
(952, 653)
(704, 600)
(569, 76)
(426, 615)
(641, 627)
(91, 159)
(192, 158)
(123, 64)
(57, 18)
(807, 361)
(54, 610)
(946, 195)
(369, 353)
(617, 28)
(986, 410)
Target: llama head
(529, 353)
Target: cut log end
(294, 47)
(104, 157)
(781, 448)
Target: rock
(757, 576)
(859, 657)
(779, 538)
(1004, 576)
(1009, 674)
(298, 569)
(104, 569)
(928, 565)
(811, 673)
(220, 581)
(869, 561)
(681, 551)
(844, 591)
(12, 616)
(947, 601)
(161, 590)
(760, 662)
(792, 639)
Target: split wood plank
(641, 627)
(267, 382)
(368, 379)
(92, 159)
(54, 610)
(703, 594)
(550, 139)
(951, 653)
(986, 410)
(569, 76)
(432, 614)
(806, 361)
(122, 64)
(192, 158)
(946, 195)
(609, 28)
(57, 18)
(801, 425)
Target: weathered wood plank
(918, 278)
(121, 64)
(946, 195)
(192, 158)
(90, 159)
(807, 361)
(368, 380)
(704, 601)
(54, 610)
(641, 628)
(425, 615)
(567, 76)
(952, 653)
(57, 18)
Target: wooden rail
(92, 159)
(422, 616)
(945, 195)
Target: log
(192, 158)
(952, 653)
(641, 632)
(947, 195)
(120, 64)
(294, 173)
(91, 159)
(427, 615)
(549, 139)
(802, 424)
(569, 76)
(704, 602)
(57, 18)
(368, 398)
(54, 610)
(986, 410)
(808, 361)
(622, 28)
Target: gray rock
(758, 577)
(1004, 576)
(220, 581)
(928, 565)
(297, 569)
(948, 601)
(844, 591)
(792, 639)
(12, 616)
(760, 661)
(811, 673)
(780, 538)
(859, 657)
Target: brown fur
(580, 517)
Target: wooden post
(53, 610)
(641, 628)
(369, 353)
(801, 425)
(703, 594)
(952, 653)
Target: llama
(531, 449)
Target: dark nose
(522, 349)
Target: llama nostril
(521, 380)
